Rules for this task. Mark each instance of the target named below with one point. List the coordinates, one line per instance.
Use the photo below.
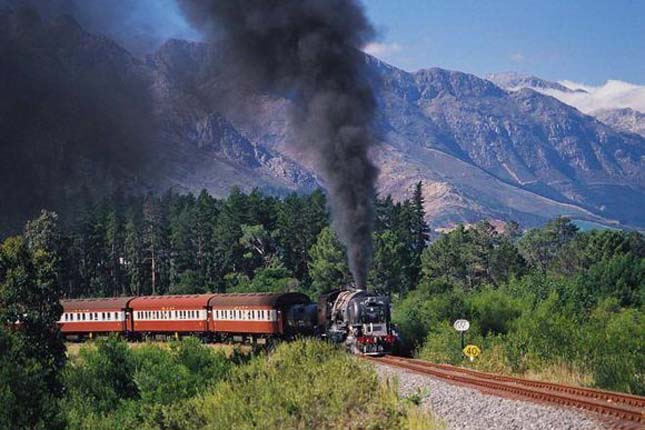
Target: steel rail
(628, 409)
(609, 396)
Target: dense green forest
(177, 244)
(552, 300)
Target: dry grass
(73, 348)
(495, 361)
(561, 373)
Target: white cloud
(517, 57)
(612, 94)
(382, 49)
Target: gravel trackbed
(465, 408)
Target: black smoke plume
(140, 26)
(309, 51)
(76, 116)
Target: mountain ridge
(615, 103)
(482, 151)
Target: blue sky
(586, 41)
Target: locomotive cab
(359, 319)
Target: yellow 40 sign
(472, 351)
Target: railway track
(625, 411)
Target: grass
(301, 385)
(494, 360)
(73, 348)
(561, 373)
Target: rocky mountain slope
(481, 151)
(626, 119)
(609, 103)
(516, 81)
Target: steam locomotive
(356, 318)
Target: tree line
(536, 299)
(553, 301)
(128, 245)
(183, 244)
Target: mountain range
(482, 147)
(616, 103)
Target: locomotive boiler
(358, 318)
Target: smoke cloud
(310, 52)
(140, 26)
(71, 122)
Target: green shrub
(102, 375)
(493, 310)
(422, 310)
(616, 340)
(305, 385)
(443, 345)
(111, 386)
(542, 334)
(621, 277)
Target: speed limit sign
(461, 325)
(472, 351)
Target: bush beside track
(301, 385)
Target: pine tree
(388, 263)
(204, 225)
(328, 265)
(155, 243)
(133, 261)
(114, 231)
(227, 234)
(419, 231)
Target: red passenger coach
(252, 313)
(88, 316)
(170, 314)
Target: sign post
(462, 326)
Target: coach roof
(186, 301)
(103, 304)
(257, 299)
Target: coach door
(280, 327)
(127, 321)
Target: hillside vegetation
(550, 302)
(554, 303)
(302, 385)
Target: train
(358, 319)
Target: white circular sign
(461, 325)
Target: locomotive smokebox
(360, 319)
